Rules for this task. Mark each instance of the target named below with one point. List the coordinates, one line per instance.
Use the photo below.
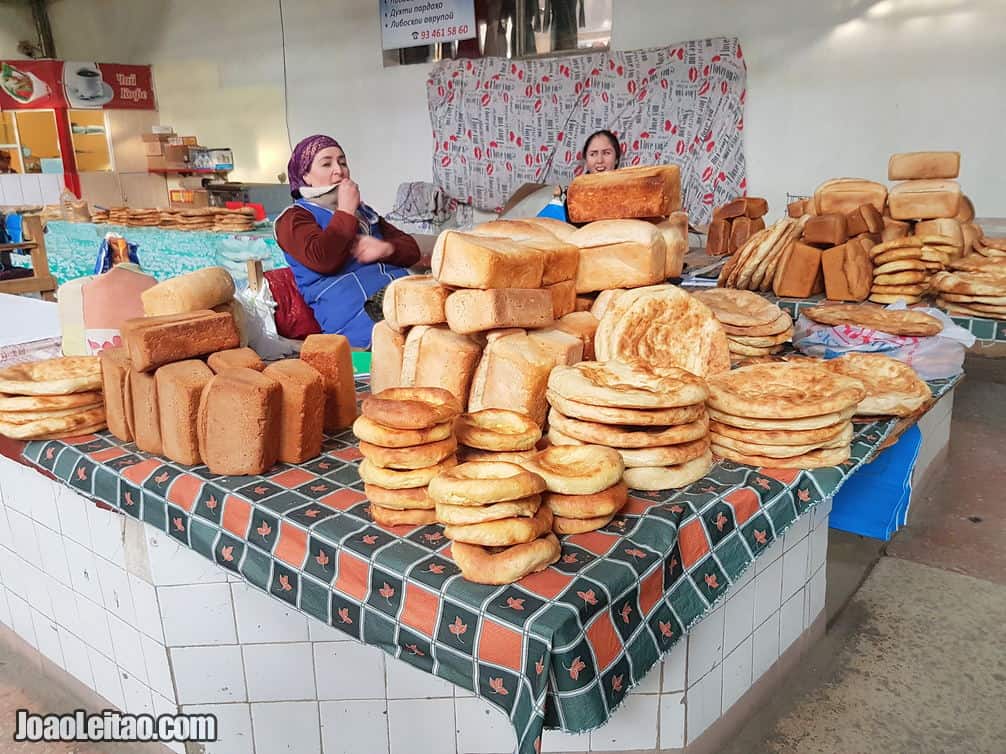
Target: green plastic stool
(361, 362)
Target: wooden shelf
(187, 171)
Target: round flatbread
(388, 437)
(413, 457)
(782, 324)
(462, 515)
(518, 457)
(391, 517)
(897, 255)
(739, 308)
(815, 459)
(654, 417)
(622, 385)
(411, 407)
(498, 430)
(780, 436)
(972, 300)
(400, 480)
(483, 482)
(23, 417)
(504, 532)
(893, 298)
(994, 243)
(60, 376)
(978, 263)
(788, 425)
(35, 403)
(411, 498)
(762, 341)
(495, 567)
(745, 350)
(665, 455)
(904, 290)
(969, 283)
(907, 242)
(898, 322)
(892, 387)
(607, 502)
(577, 470)
(79, 432)
(628, 437)
(63, 425)
(901, 278)
(669, 477)
(781, 451)
(562, 525)
(968, 311)
(784, 390)
(902, 265)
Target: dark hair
(610, 136)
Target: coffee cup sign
(89, 83)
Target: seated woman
(601, 152)
(340, 250)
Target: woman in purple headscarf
(340, 250)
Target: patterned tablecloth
(561, 648)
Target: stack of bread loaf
(754, 326)
(51, 399)
(496, 434)
(654, 417)
(755, 265)
(734, 223)
(783, 415)
(903, 267)
(979, 293)
(492, 512)
(204, 218)
(584, 486)
(406, 438)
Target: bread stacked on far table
(734, 223)
(655, 418)
(892, 387)
(492, 512)
(793, 415)
(496, 434)
(584, 483)
(406, 437)
(754, 326)
(903, 268)
(52, 399)
(753, 267)
(972, 294)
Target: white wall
(835, 86)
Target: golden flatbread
(969, 283)
(504, 532)
(783, 323)
(786, 425)
(462, 515)
(815, 459)
(17, 403)
(762, 341)
(79, 432)
(901, 278)
(902, 265)
(896, 255)
(669, 477)
(742, 349)
(960, 298)
(54, 425)
(969, 311)
(485, 566)
(779, 436)
(978, 263)
(627, 386)
(905, 290)
(784, 390)
(628, 437)
(59, 376)
(666, 455)
(907, 242)
(24, 417)
(894, 298)
(654, 417)
(918, 324)
(739, 308)
(892, 387)
(782, 451)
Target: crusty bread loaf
(142, 411)
(837, 263)
(239, 422)
(966, 212)
(619, 254)
(512, 374)
(895, 229)
(842, 195)
(414, 300)
(153, 341)
(114, 368)
(565, 348)
(828, 229)
(437, 357)
(734, 208)
(561, 258)
(191, 292)
(674, 229)
(718, 238)
(235, 357)
(795, 209)
(583, 325)
(562, 231)
(648, 191)
(740, 232)
(855, 223)
(799, 272)
(464, 260)
(924, 200)
(946, 226)
(386, 349)
(476, 310)
(910, 166)
(179, 389)
(332, 357)
(302, 412)
(563, 296)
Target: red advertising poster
(30, 84)
(45, 84)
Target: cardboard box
(184, 141)
(153, 148)
(166, 130)
(188, 198)
(157, 136)
(172, 157)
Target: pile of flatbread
(892, 321)
(892, 387)
(654, 417)
(754, 265)
(981, 293)
(787, 415)
(52, 399)
(904, 267)
(660, 326)
(754, 326)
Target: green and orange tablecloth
(561, 648)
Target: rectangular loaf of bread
(910, 166)
(795, 209)
(835, 264)
(648, 191)
(718, 238)
(154, 341)
(566, 349)
(114, 368)
(944, 226)
(966, 213)
(924, 200)
(437, 357)
(842, 195)
(190, 292)
(619, 254)
(414, 300)
(559, 257)
(563, 296)
(239, 422)
(733, 208)
(674, 229)
(142, 411)
(512, 374)
(583, 325)
(464, 260)
(332, 357)
(386, 348)
(179, 389)
(473, 310)
(302, 412)
(829, 229)
(799, 272)
(559, 229)
(740, 232)
(894, 229)
(235, 357)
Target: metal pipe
(43, 29)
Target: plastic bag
(259, 310)
(234, 252)
(115, 249)
(933, 358)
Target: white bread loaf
(645, 191)
(842, 195)
(966, 213)
(924, 200)
(619, 254)
(490, 335)
(559, 229)
(565, 349)
(674, 229)
(563, 297)
(475, 310)
(944, 226)
(387, 346)
(414, 300)
(437, 357)
(583, 325)
(464, 260)
(910, 166)
(512, 374)
(193, 291)
(560, 258)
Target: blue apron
(337, 300)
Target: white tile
(43, 504)
(651, 681)
(796, 531)
(38, 590)
(64, 606)
(354, 727)
(287, 727)
(76, 657)
(703, 702)
(674, 667)
(163, 706)
(746, 578)
(94, 626)
(138, 697)
(4, 607)
(672, 721)
(47, 638)
(5, 537)
(171, 564)
(51, 187)
(771, 554)
(768, 592)
(822, 512)
(765, 646)
(482, 728)
(106, 534)
(208, 675)
(318, 631)
(794, 568)
(421, 726)
(818, 549)
(12, 189)
(815, 596)
(738, 620)
(73, 519)
(83, 571)
(279, 672)
(790, 621)
(115, 594)
(21, 620)
(347, 670)
(737, 673)
(14, 573)
(134, 544)
(107, 679)
(705, 645)
(127, 648)
(148, 613)
(155, 658)
(210, 602)
(53, 554)
(262, 618)
(22, 530)
(407, 682)
(234, 730)
(632, 726)
(555, 741)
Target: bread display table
(562, 648)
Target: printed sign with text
(412, 23)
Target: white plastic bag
(933, 358)
(234, 252)
(260, 324)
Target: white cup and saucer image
(84, 85)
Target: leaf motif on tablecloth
(284, 584)
(211, 502)
(616, 683)
(264, 530)
(81, 473)
(496, 684)
(458, 628)
(589, 597)
(178, 523)
(539, 665)
(344, 615)
(162, 477)
(515, 603)
(760, 536)
(321, 558)
(387, 591)
(711, 581)
(665, 629)
(128, 498)
(575, 668)
(720, 521)
(625, 612)
(227, 553)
